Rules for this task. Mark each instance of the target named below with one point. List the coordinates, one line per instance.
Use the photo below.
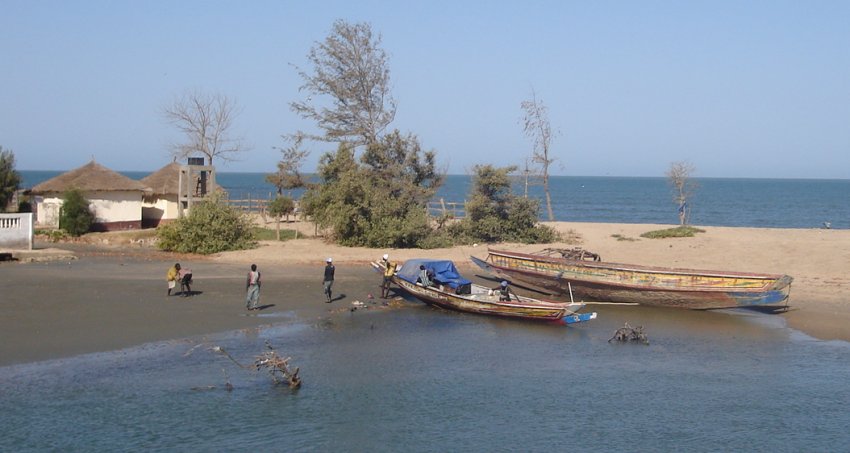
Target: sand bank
(114, 296)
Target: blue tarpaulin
(445, 272)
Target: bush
(495, 214)
(678, 232)
(378, 200)
(211, 227)
(10, 179)
(25, 206)
(75, 216)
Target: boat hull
(612, 282)
(482, 301)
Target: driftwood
(628, 333)
(278, 367)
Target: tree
(278, 208)
(10, 179)
(537, 127)
(75, 216)
(206, 121)
(679, 177)
(495, 214)
(380, 199)
(351, 69)
(288, 175)
(212, 226)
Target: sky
(756, 89)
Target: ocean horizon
(733, 202)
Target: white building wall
(115, 206)
(164, 206)
(108, 207)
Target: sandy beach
(114, 295)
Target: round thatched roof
(165, 180)
(90, 177)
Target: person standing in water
(252, 286)
(328, 280)
(389, 271)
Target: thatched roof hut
(164, 181)
(115, 199)
(91, 177)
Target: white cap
(386, 257)
(329, 260)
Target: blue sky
(739, 89)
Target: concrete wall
(16, 231)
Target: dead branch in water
(628, 333)
(278, 367)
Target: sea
(734, 202)
(422, 379)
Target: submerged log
(628, 333)
(278, 367)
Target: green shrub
(75, 217)
(378, 200)
(678, 232)
(265, 234)
(495, 214)
(211, 227)
(25, 205)
(10, 179)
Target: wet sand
(103, 303)
(114, 296)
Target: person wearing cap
(504, 291)
(389, 271)
(329, 279)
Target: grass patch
(678, 232)
(620, 237)
(270, 234)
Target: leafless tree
(537, 127)
(288, 175)
(679, 175)
(351, 70)
(206, 120)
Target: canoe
(453, 292)
(626, 283)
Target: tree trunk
(277, 227)
(548, 196)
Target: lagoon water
(419, 378)
(423, 379)
(744, 202)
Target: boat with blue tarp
(448, 289)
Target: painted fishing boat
(450, 290)
(571, 274)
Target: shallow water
(424, 379)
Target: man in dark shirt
(329, 279)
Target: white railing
(16, 231)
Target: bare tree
(679, 176)
(537, 127)
(206, 120)
(288, 175)
(351, 69)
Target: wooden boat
(569, 275)
(451, 291)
